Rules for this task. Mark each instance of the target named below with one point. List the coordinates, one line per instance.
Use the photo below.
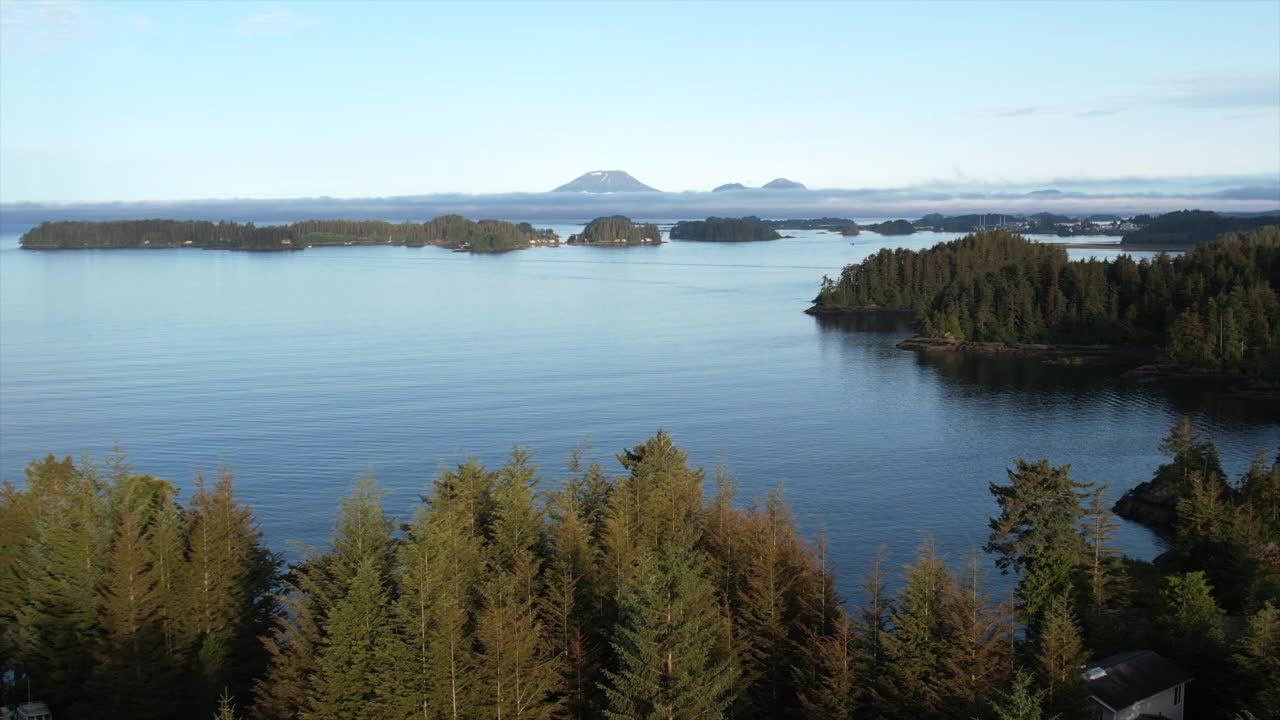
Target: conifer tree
(517, 672)
(977, 656)
(1189, 616)
(572, 604)
(359, 624)
(1059, 654)
(913, 651)
(872, 627)
(666, 645)
(837, 690)
(60, 572)
(768, 611)
(460, 505)
(230, 581)
(1100, 527)
(1021, 702)
(1257, 664)
(226, 708)
(133, 673)
(1036, 533)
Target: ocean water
(299, 371)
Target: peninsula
(1213, 312)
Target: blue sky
(168, 100)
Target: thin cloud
(48, 19)
(272, 22)
(1024, 111)
(1240, 92)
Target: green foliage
(716, 229)
(452, 231)
(626, 598)
(1214, 307)
(668, 661)
(616, 230)
(891, 227)
(1021, 702)
(1037, 533)
(1060, 653)
(1257, 662)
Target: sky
(169, 100)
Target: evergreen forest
(717, 229)
(653, 592)
(452, 231)
(1214, 307)
(616, 229)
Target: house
(1137, 685)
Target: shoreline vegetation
(717, 229)
(616, 231)
(1211, 315)
(620, 592)
(448, 231)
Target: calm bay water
(301, 370)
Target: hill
(605, 181)
(729, 186)
(783, 184)
(1188, 227)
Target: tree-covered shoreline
(1214, 307)
(615, 230)
(450, 231)
(625, 595)
(717, 229)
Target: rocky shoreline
(831, 311)
(1083, 355)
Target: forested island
(717, 229)
(451, 231)
(616, 230)
(1213, 308)
(633, 595)
(822, 223)
(891, 227)
(850, 230)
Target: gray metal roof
(1134, 676)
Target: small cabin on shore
(1137, 685)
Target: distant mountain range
(605, 181)
(779, 184)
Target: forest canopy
(452, 231)
(616, 230)
(636, 594)
(1214, 307)
(717, 229)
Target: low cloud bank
(1067, 197)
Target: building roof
(1133, 676)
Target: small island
(822, 223)
(850, 230)
(616, 231)
(891, 227)
(449, 231)
(717, 229)
(728, 187)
